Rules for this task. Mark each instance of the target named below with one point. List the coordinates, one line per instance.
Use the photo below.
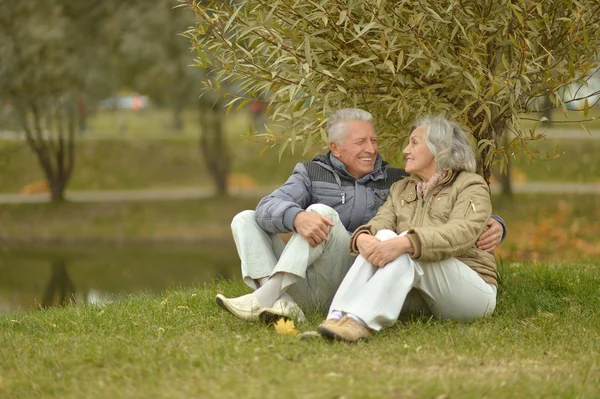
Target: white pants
(312, 274)
(447, 289)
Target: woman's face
(419, 160)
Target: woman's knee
(242, 219)
(385, 234)
(324, 210)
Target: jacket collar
(451, 176)
(332, 163)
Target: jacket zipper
(470, 207)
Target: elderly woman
(419, 253)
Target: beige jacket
(444, 224)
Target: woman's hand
(383, 252)
(365, 241)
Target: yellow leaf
(286, 327)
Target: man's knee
(385, 234)
(325, 211)
(243, 219)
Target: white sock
(270, 291)
(286, 297)
(261, 281)
(358, 319)
(335, 315)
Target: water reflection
(34, 278)
(61, 290)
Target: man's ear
(334, 149)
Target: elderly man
(322, 203)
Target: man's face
(358, 150)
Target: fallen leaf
(286, 327)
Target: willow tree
(483, 63)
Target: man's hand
(490, 239)
(314, 227)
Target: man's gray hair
(336, 123)
(448, 143)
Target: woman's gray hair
(448, 143)
(336, 123)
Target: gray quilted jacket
(325, 180)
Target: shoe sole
(332, 336)
(310, 336)
(268, 317)
(222, 304)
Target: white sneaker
(282, 309)
(245, 307)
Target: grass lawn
(150, 155)
(577, 162)
(542, 342)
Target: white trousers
(312, 274)
(447, 289)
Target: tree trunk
(214, 146)
(50, 133)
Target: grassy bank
(542, 342)
(169, 222)
(541, 227)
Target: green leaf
(307, 52)
(585, 128)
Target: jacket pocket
(408, 196)
(330, 196)
(471, 208)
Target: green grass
(123, 164)
(542, 342)
(121, 222)
(112, 164)
(151, 155)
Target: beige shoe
(281, 309)
(245, 307)
(311, 335)
(347, 329)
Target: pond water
(31, 278)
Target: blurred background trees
(61, 60)
(56, 57)
(490, 65)
(483, 63)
